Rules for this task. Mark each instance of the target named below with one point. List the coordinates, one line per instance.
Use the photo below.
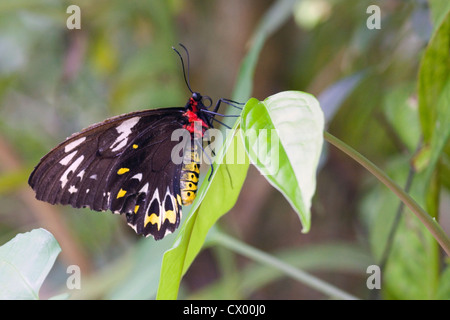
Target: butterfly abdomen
(190, 172)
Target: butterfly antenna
(186, 77)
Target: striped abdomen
(189, 175)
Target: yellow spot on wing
(136, 208)
(121, 193)
(153, 219)
(123, 170)
(179, 199)
(135, 146)
(170, 215)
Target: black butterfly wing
(122, 164)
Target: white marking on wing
(72, 189)
(133, 226)
(81, 174)
(72, 168)
(137, 176)
(122, 144)
(145, 189)
(174, 202)
(125, 130)
(65, 161)
(155, 196)
(74, 144)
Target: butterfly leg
(229, 102)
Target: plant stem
(429, 222)
(262, 257)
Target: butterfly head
(196, 102)
(196, 96)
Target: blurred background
(55, 81)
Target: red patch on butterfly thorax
(193, 118)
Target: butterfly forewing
(122, 164)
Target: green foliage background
(384, 92)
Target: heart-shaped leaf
(283, 136)
(25, 262)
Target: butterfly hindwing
(148, 196)
(122, 164)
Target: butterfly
(125, 164)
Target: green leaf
(401, 113)
(433, 75)
(295, 120)
(438, 8)
(443, 291)
(413, 267)
(25, 262)
(441, 131)
(439, 140)
(412, 271)
(213, 200)
(434, 99)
